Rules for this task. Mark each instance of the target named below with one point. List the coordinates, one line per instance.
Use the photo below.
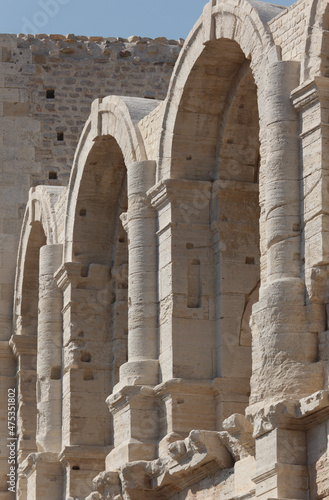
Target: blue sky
(152, 18)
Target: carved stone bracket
(189, 460)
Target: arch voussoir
(242, 22)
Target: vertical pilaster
(311, 100)
(281, 470)
(187, 312)
(44, 476)
(25, 351)
(86, 374)
(186, 280)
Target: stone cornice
(31, 462)
(310, 92)
(175, 190)
(71, 273)
(128, 395)
(23, 344)
(67, 273)
(71, 454)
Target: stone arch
(96, 261)
(112, 129)
(97, 196)
(39, 228)
(211, 153)
(241, 22)
(315, 61)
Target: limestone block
(280, 446)
(44, 476)
(185, 406)
(243, 472)
(81, 464)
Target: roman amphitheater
(164, 266)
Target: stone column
(282, 336)
(42, 472)
(282, 210)
(140, 222)
(132, 402)
(49, 357)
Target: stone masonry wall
(288, 30)
(47, 85)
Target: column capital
(22, 344)
(72, 273)
(31, 462)
(170, 190)
(67, 274)
(310, 92)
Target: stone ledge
(190, 460)
(302, 414)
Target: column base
(185, 405)
(285, 344)
(135, 425)
(281, 470)
(140, 372)
(44, 477)
(82, 464)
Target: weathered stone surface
(171, 300)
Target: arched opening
(99, 337)
(30, 287)
(216, 147)
(237, 220)
(26, 343)
(101, 191)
